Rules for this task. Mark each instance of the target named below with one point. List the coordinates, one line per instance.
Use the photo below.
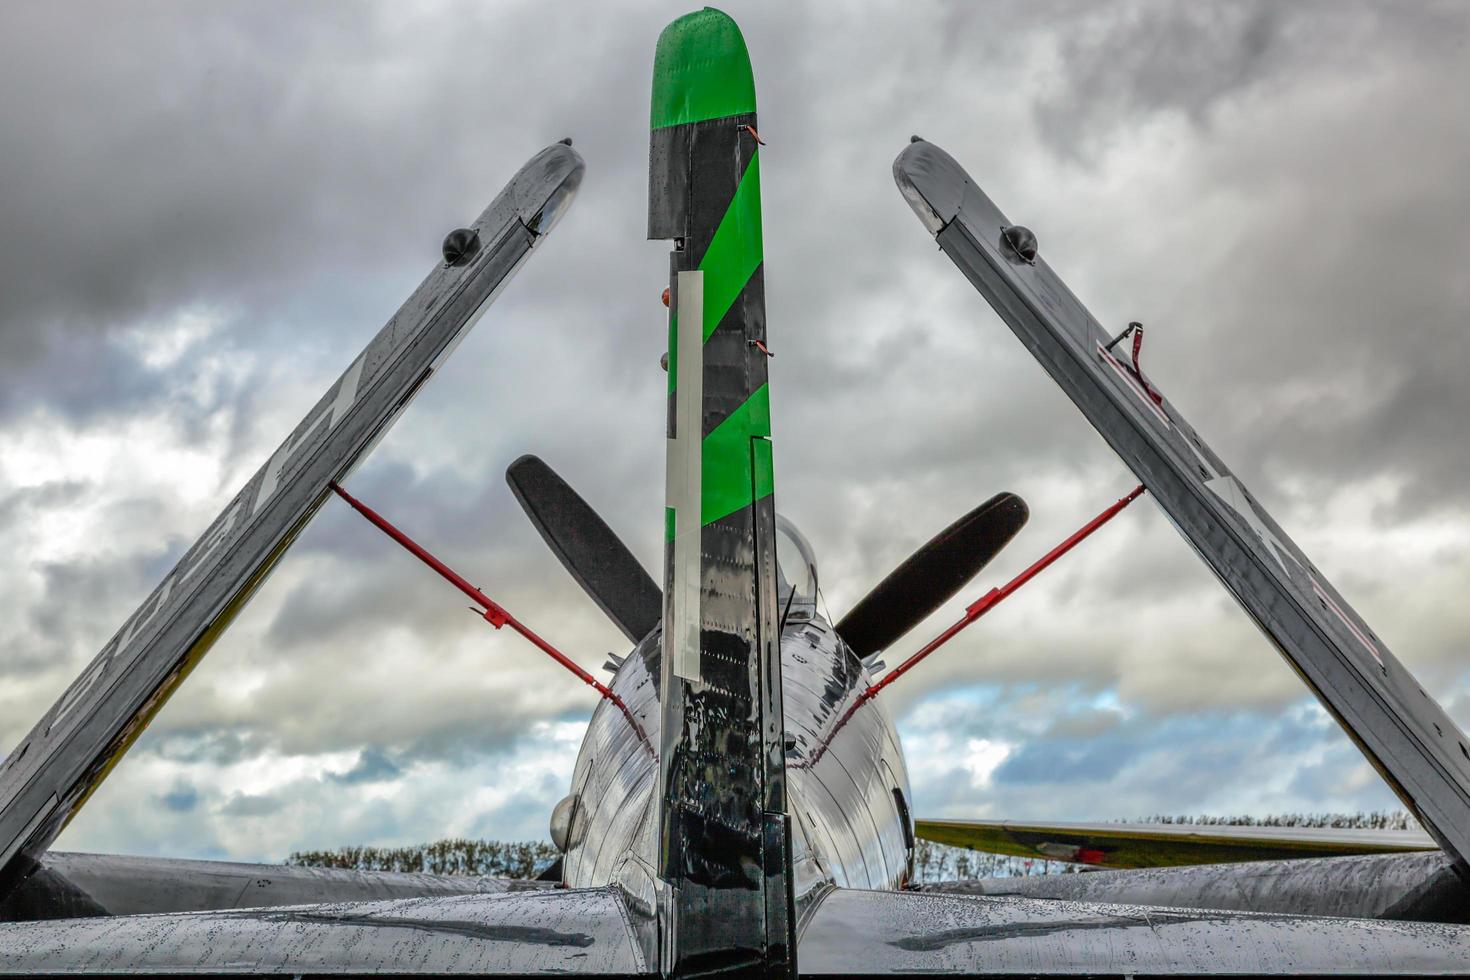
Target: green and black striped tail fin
(724, 834)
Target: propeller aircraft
(740, 804)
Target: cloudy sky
(206, 210)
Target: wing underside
(1407, 737)
(50, 775)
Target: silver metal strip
(685, 477)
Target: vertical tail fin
(724, 833)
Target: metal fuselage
(847, 782)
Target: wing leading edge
(1405, 735)
(1158, 845)
(57, 766)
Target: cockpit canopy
(796, 572)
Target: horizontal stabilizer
(518, 934)
(869, 933)
(1160, 845)
(74, 885)
(48, 777)
(1405, 735)
(1417, 887)
(587, 548)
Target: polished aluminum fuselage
(848, 787)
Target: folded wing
(64, 758)
(1405, 735)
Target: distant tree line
(932, 862)
(940, 862)
(454, 856)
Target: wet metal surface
(857, 933)
(1411, 887)
(724, 823)
(71, 885)
(546, 932)
(845, 822)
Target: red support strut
(494, 613)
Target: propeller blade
(932, 574)
(584, 544)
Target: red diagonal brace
(494, 613)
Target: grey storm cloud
(372, 767)
(208, 209)
(182, 798)
(250, 805)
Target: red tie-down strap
(1136, 330)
